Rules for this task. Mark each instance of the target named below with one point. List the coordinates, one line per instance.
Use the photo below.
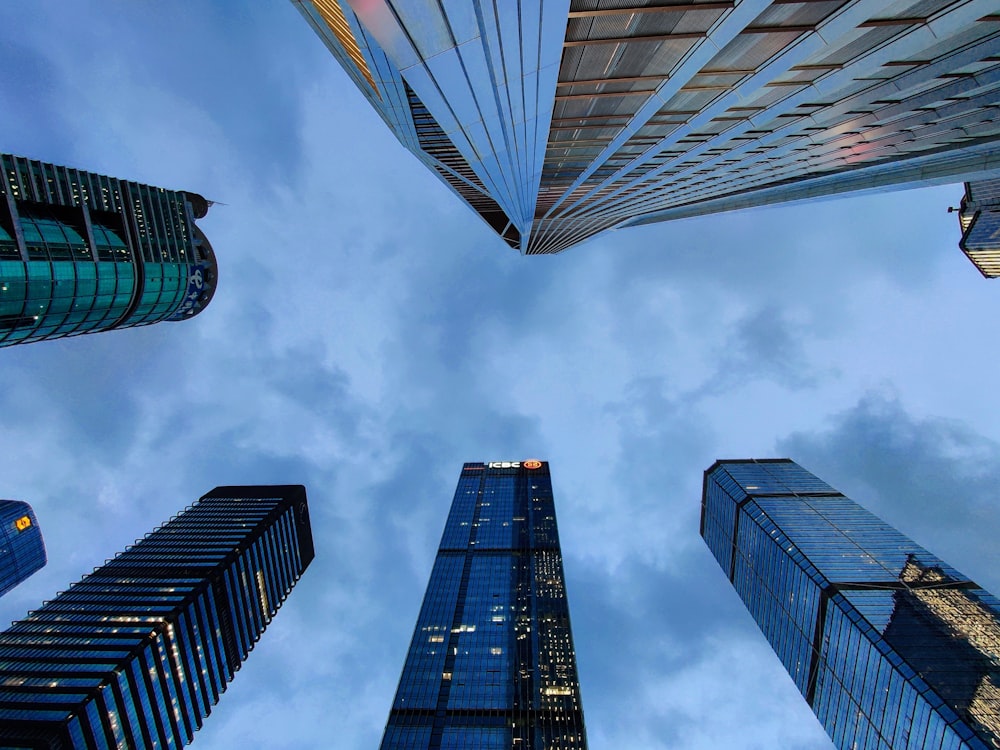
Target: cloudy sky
(370, 334)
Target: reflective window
(493, 642)
(890, 645)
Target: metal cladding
(890, 646)
(136, 653)
(557, 120)
(491, 663)
(81, 252)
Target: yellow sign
(22, 523)
(532, 463)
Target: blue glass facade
(890, 646)
(22, 551)
(81, 252)
(491, 663)
(559, 119)
(136, 653)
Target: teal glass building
(22, 550)
(81, 253)
(135, 654)
(557, 120)
(890, 646)
(491, 664)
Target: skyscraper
(81, 252)
(979, 218)
(22, 551)
(491, 663)
(891, 647)
(136, 653)
(558, 119)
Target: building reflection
(952, 641)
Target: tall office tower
(137, 652)
(81, 252)
(890, 646)
(979, 218)
(22, 551)
(559, 119)
(491, 664)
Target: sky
(370, 334)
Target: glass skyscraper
(81, 252)
(979, 218)
(136, 653)
(491, 665)
(558, 119)
(22, 551)
(891, 647)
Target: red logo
(532, 463)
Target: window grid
(158, 642)
(491, 663)
(890, 645)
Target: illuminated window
(334, 16)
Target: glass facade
(979, 218)
(491, 663)
(81, 252)
(891, 647)
(136, 653)
(557, 120)
(22, 551)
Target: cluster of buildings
(555, 122)
(890, 646)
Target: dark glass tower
(137, 653)
(891, 647)
(22, 551)
(81, 252)
(491, 664)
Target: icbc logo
(531, 463)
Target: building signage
(22, 523)
(531, 463)
(196, 284)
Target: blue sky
(370, 334)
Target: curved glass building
(22, 551)
(82, 252)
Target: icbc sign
(531, 463)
